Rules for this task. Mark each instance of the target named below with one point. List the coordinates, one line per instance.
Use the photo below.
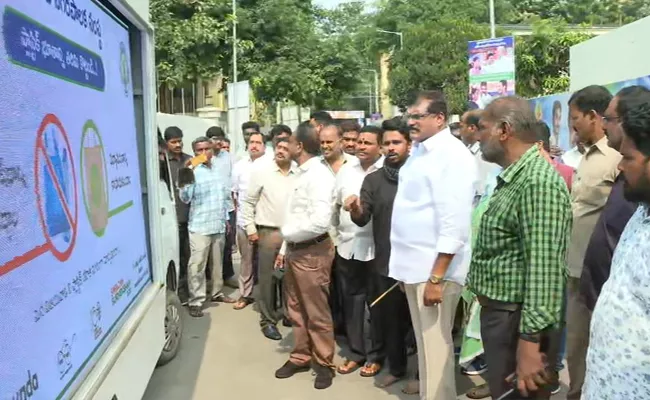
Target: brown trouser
(306, 283)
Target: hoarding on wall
(554, 110)
(491, 69)
(73, 251)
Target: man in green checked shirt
(518, 268)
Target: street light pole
(400, 34)
(493, 30)
(374, 71)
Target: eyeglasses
(416, 117)
(610, 119)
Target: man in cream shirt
(430, 238)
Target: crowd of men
(337, 224)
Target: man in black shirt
(376, 203)
(177, 160)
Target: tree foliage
(190, 37)
(542, 59)
(593, 12)
(436, 58)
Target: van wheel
(173, 328)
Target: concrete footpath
(224, 356)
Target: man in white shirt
(469, 136)
(240, 179)
(430, 238)
(308, 253)
(354, 252)
(263, 212)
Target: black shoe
(286, 322)
(271, 332)
(196, 311)
(289, 369)
(324, 376)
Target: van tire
(173, 328)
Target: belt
(498, 305)
(269, 228)
(307, 243)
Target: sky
(330, 3)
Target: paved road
(224, 355)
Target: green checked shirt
(520, 254)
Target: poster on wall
(491, 69)
(554, 110)
(73, 250)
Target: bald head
(516, 113)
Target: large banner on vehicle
(554, 110)
(491, 69)
(73, 251)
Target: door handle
(162, 210)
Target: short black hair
(215, 132)
(397, 124)
(437, 102)
(543, 134)
(280, 140)
(173, 132)
(307, 135)
(377, 131)
(594, 97)
(259, 133)
(332, 124)
(350, 126)
(557, 107)
(454, 126)
(225, 140)
(321, 117)
(634, 110)
(471, 118)
(504, 82)
(278, 130)
(250, 125)
(200, 139)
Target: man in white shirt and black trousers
(308, 253)
(354, 253)
(430, 238)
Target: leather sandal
(348, 367)
(242, 303)
(370, 369)
(479, 392)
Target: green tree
(190, 38)
(594, 12)
(435, 58)
(542, 59)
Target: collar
(430, 143)
(293, 168)
(600, 145)
(475, 148)
(376, 165)
(310, 163)
(508, 174)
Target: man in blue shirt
(209, 197)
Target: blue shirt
(224, 163)
(618, 359)
(209, 198)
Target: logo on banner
(96, 319)
(64, 357)
(120, 289)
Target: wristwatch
(533, 338)
(436, 280)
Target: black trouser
(183, 259)
(500, 334)
(353, 284)
(392, 321)
(335, 301)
